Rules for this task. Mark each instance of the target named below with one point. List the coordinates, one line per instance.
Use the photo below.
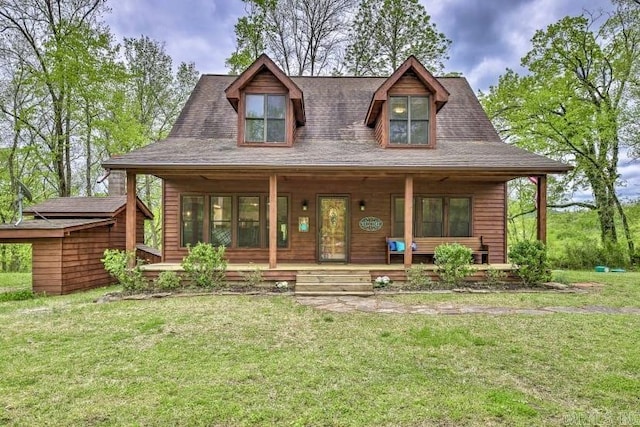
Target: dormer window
(265, 118)
(409, 120)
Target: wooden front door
(333, 220)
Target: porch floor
(240, 267)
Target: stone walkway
(350, 304)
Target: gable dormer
(269, 104)
(403, 109)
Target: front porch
(327, 278)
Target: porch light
(305, 205)
(362, 205)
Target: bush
(454, 263)
(167, 281)
(417, 278)
(116, 262)
(19, 295)
(253, 278)
(205, 265)
(494, 277)
(585, 254)
(531, 259)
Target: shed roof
(335, 135)
(84, 207)
(48, 228)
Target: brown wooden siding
(365, 247)
(72, 263)
(46, 276)
(408, 84)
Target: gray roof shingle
(335, 136)
(74, 207)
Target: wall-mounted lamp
(362, 205)
(305, 205)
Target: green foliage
(573, 103)
(253, 278)
(205, 265)
(117, 261)
(454, 263)
(167, 281)
(385, 33)
(494, 277)
(531, 259)
(15, 257)
(418, 279)
(18, 295)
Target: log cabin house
(321, 170)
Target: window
(233, 221)
(192, 215)
(220, 217)
(409, 120)
(435, 216)
(265, 118)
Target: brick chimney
(117, 183)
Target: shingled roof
(335, 135)
(83, 207)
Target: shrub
(494, 277)
(18, 295)
(417, 278)
(382, 282)
(531, 259)
(253, 278)
(167, 281)
(454, 263)
(116, 262)
(205, 265)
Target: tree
(304, 37)
(571, 104)
(154, 97)
(52, 39)
(385, 33)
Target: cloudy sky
(487, 35)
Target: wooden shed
(69, 236)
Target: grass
(255, 360)
(10, 281)
(620, 290)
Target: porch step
(312, 283)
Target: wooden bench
(427, 246)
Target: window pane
(398, 107)
(249, 222)
(220, 212)
(192, 216)
(432, 217)
(419, 108)
(398, 217)
(254, 130)
(419, 132)
(275, 130)
(459, 217)
(283, 221)
(398, 132)
(255, 106)
(275, 106)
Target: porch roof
(335, 136)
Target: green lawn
(11, 281)
(258, 360)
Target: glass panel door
(333, 220)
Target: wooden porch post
(130, 232)
(541, 204)
(273, 221)
(408, 220)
